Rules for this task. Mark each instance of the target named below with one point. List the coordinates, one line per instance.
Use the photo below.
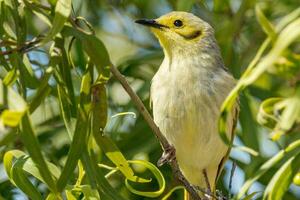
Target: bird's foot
(168, 156)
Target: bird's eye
(178, 23)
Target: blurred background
(137, 54)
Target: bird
(187, 93)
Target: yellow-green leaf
(62, 12)
(158, 175)
(11, 118)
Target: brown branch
(142, 109)
(27, 46)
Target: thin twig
(142, 109)
(28, 46)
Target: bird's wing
(234, 114)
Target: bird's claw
(168, 156)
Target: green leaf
(79, 139)
(89, 193)
(256, 68)
(29, 139)
(28, 165)
(96, 176)
(172, 191)
(11, 118)
(42, 92)
(11, 77)
(8, 160)
(285, 153)
(291, 113)
(70, 195)
(285, 38)
(266, 115)
(64, 73)
(288, 19)
(35, 7)
(21, 180)
(10, 99)
(114, 154)
(65, 109)
(267, 26)
(99, 119)
(14, 105)
(95, 50)
(16, 173)
(52, 196)
(78, 142)
(158, 175)
(250, 196)
(62, 12)
(282, 179)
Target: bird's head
(179, 30)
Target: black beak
(150, 22)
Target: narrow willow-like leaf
(32, 145)
(282, 179)
(79, 139)
(65, 73)
(78, 143)
(6, 16)
(24, 66)
(99, 118)
(291, 112)
(285, 38)
(266, 112)
(40, 13)
(89, 193)
(11, 77)
(11, 118)
(250, 196)
(42, 92)
(158, 175)
(95, 50)
(20, 25)
(52, 196)
(65, 105)
(114, 154)
(95, 174)
(254, 71)
(288, 19)
(15, 172)
(14, 106)
(11, 99)
(285, 153)
(172, 191)
(8, 160)
(62, 12)
(267, 26)
(21, 180)
(32, 169)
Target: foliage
(66, 126)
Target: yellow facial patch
(184, 25)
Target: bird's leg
(168, 155)
(206, 181)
